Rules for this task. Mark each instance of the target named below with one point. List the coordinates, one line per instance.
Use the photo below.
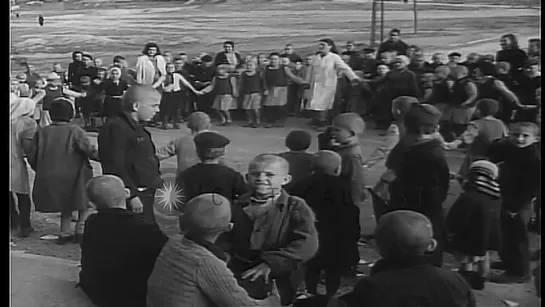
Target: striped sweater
(187, 274)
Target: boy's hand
(262, 269)
(136, 205)
(273, 299)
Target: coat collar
(397, 263)
(211, 247)
(281, 201)
(126, 116)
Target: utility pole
(373, 23)
(415, 12)
(381, 21)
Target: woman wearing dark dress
(114, 88)
(88, 68)
(511, 53)
(229, 56)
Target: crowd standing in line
(254, 240)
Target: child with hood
(474, 222)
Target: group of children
(269, 88)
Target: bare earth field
(105, 30)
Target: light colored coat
(22, 132)
(322, 78)
(145, 70)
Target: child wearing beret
(211, 176)
(338, 229)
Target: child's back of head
(107, 191)
(327, 162)
(298, 140)
(61, 110)
(198, 121)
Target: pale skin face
(341, 135)
(115, 75)
(267, 179)
(170, 68)
(454, 59)
(275, 61)
(57, 68)
(88, 62)
(228, 48)
(262, 58)
(324, 48)
(505, 42)
(436, 59)
(152, 51)
(101, 75)
(350, 47)
(523, 137)
(533, 47)
(178, 64)
(288, 49)
(382, 70)
(98, 62)
(207, 64)
(251, 67)
(78, 57)
(394, 36)
(147, 110)
(285, 61)
(399, 64)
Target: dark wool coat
(337, 218)
(387, 46)
(474, 223)
(515, 57)
(300, 166)
(118, 252)
(60, 158)
(410, 282)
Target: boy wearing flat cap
(402, 277)
(209, 176)
(420, 171)
(338, 229)
(273, 232)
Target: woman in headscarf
(322, 77)
(228, 56)
(22, 131)
(150, 65)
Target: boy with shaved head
(402, 277)
(118, 249)
(273, 233)
(191, 269)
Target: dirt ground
(106, 29)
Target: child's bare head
(487, 107)
(107, 191)
(437, 58)
(502, 67)
(404, 233)
(267, 173)
(401, 105)
(442, 72)
(198, 121)
(327, 162)
(298, 140)
(382, 69)
(473, 57)
(524, 134)
(206, 215)
(460, 72)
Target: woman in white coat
(322, 77)
(22, 129)
(151, 65)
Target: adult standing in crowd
(228, 56)
(31, 75)
(322, 78)
(150, 65)
(294, 57)
(127, 150)
(75, 68)
(393, 44)
(511, 53)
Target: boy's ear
(338, 170)
(432, 246)
(127, 193)
(135, 106)
(287, 179)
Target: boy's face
(57, 68)
(148, 108)
(454, 59)
(285, 61)
(410, 52)
(266, 179)
(78, 57)
(533, 47)
(275, 61)
(341, 135)
(384, 59)
(207, 64)
(178, 64)
(87, 61)
(382, 70)
(251, 66)
(171, 68)
(101, 75)
(298, 65)
(436, 59)
(523, 136)
(98, 63)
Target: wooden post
(373, 23)
(415, 13)
(381, 21)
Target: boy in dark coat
(338, 228)
(520, 182)
(402, 277)
(273, 232)
(474, 222)
(119, 248)
(421, 172)
(210, 176)
(300, 161)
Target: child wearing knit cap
(337, 222)
(300, 161)
(474, 222)
(62, 151)
(519, 159)
(420, 173)
(402, 277)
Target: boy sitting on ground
(300, 161)
(402, 277)
(209, 176)
(273, 233)
(329, 197)
(118, 248)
